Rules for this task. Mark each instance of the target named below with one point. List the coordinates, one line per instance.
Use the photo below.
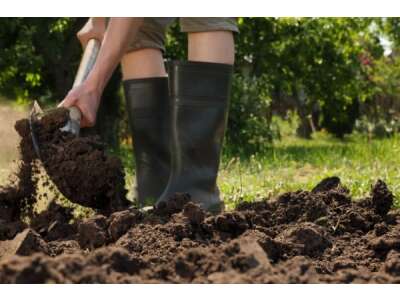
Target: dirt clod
(194, 213)
(92, 232)
(24, 243)
(382, 198)
(121, 222)
(305, 239)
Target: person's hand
(93, 29)
(87, 98)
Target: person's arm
(86, 97)
(95, 28)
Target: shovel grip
(86, 65)
(75, 114)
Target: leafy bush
(320, 57)
(250, 128)
(340, 117)
(378, 128)
(381, 112)
(38, 57)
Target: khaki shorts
(152, 32)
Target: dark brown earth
(300, 237)
(318, 236)
(79, 167)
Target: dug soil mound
(317, 236)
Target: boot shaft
(200, 82)
(148, 108)
(199, 95)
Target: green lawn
(294, 163)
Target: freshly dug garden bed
(300, 237)
(313, 236)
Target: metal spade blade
(34, 115)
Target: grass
(294, 164)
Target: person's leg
(199, 91)
(213, 46)
(210, 39)
(147, 105)
(144, 58)
(143, 63)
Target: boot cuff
(146, 92)
(189, 80)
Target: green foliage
(381, 113)
(317, 56)
(339, 117)
(385, 75)
(380, 128)
(175, 43)
(38, 57)
(250, 128)
(390, 26)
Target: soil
(317, 236)
(300, 237)
(78, 166)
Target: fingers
(82, 39)
(88, 120)
(88, 117)
(84, 35)
(68, 101)
(86, 101)
(93, 29)
(85, 123)
(71, 100)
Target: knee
(143, 63)
(213, 46)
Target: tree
(38, 57)
(315, 57)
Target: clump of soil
(320, 236)
(78, 166)
(17, 199)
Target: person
(177, 118)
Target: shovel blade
(36, 109)
(33, 117)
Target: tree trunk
(306, 127)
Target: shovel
(73, 124)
